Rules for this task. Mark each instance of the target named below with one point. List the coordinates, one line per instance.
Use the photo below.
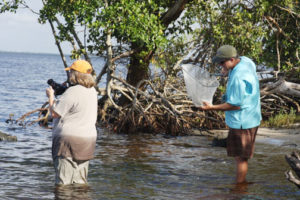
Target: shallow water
(125, 167)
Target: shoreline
(280, 136)
(288, 137)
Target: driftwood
(26, 119)
(7, 137)
(158, 108)
(278, 94)
(294, 161)
(283, 87)
(162, 106)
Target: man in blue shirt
(241, 106)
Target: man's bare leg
(241, 169)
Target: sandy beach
(278, 136)
(283, 137)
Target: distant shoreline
(21, 52)
(42, 53)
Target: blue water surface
(143, 166)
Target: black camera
(58, 88)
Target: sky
(21, 32)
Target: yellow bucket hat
(81, 66)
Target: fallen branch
(283, 87)
(294, 162)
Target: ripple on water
(125, 167)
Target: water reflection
(125, 167)
(74, 191)
(240, 188)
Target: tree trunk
(138, 70)
(139, 62)
(281, 86)
(139, 67)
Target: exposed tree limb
(103, 71)
(294, 161)
(57, 43)
(123, 55)
(81, 46)
(174, 12)
(289, 11)
(283, 87)
(280, 30)
(110, 66)
(290, 177)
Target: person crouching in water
(242, 106)
(74, 131)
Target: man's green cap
(224, 53)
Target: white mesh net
(200, 85)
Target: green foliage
(245, 25)
(283, 18)
(229, 23)
(165, 57)
(222, 89)
(253, 27)
(10, 6)
(281, 120)
(297, 119)
(134, 22)
(129, 21)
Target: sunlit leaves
(209, 24)
(132, 21)
(283, 34)
(10, 5)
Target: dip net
(200, 85)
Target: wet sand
(283, 137)
(289, 137)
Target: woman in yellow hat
(74, 131)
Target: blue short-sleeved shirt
(243, 91)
